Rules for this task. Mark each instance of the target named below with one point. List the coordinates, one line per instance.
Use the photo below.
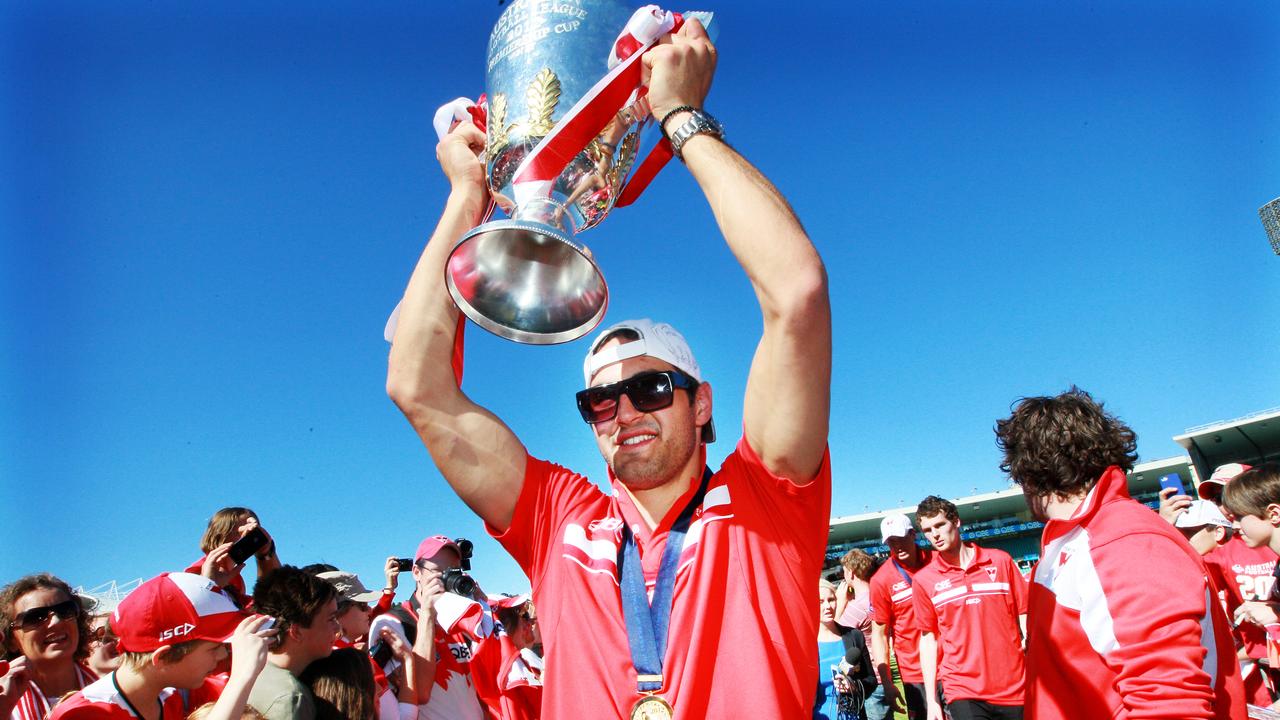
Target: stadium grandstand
(1001, 519)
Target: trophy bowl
(527, 278)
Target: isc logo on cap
(177, 631)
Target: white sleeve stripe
(576, 536)
(949, 594)
(990, 586)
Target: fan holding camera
(233, 535)
(449, 602)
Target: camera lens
(465, 547)
(458, 582)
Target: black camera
(465, 547)
(404, 564)
(458, 582)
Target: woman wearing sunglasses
(46, 635)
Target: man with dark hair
(1123, 620)
(971, 601)
(305, 609)
(609, 652)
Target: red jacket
(1123, 622)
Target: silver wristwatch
(700, 123)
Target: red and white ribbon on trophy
(594, 110)
(536, 174)
(619, 88)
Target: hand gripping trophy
(566, 127)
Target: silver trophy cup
(527, 278)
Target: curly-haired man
(1123, 622)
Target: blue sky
(208, 210)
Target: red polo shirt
(974, 613)
(892, 607)
(743, 620)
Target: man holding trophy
(686, 590)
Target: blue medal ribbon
(647, 624)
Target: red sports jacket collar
(1112, 486)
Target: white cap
(898, 525)
(1200, 513)
(657, 340)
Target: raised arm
(477, 454)
(787, 403)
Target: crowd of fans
(1160, 611)
(936, 629)
(300, 643)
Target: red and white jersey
(462, 625)
(893, 607)
(741, 638)
(102, 700)
(1243, 573)
(974, 612)
(33, 705)
(1123, 622)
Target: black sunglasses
(35, 617)
(648, 392)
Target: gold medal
(651, 707)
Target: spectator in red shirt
(225, 527)
(650, 413)
(1123, 622)
(893, 615)
(971, 601)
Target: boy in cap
(173, 632)
(893, 616)
(1204, 526)
(1242, 574)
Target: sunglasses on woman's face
(102, 634)
(647, 392)
(35, 617)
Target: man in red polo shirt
(1123, 622)
(893, 615)
(972, 601)
(722, 624)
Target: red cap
(433, 545)
(507, 601)
(174, 608)
(1222, 475)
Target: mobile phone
(404, 564)
(247, 546)
(1173, 481)
(381, 653)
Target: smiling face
(942, 532)
(648, 450)
(52, 640)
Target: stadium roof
(1252, 439)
